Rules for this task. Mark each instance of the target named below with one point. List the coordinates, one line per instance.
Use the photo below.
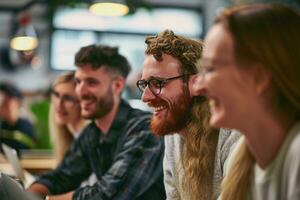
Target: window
(75, 28)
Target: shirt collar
(118, 123)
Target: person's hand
(66, 196)
(38, 189)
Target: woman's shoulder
(294, 146)
(227, 139)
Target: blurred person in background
(117, 146)
(65, 121)
(195, 153)
(251, 77)
(15, 130)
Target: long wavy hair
(201, 140)
(267, 34)
(60, 134)
(198, 155)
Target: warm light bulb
(24, 43)
(109, 9)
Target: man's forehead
(90, 72)
(167, 66)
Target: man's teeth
(159, 108)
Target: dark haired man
(117, 146)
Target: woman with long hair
(65, 121)
(251, 76)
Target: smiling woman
(248, 52)
(65, 121)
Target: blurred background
(58, 28)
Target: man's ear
(118, 84)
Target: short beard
(178, 116)
(103, 107)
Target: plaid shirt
(127, 161)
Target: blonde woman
(65, 119)
(252, 78)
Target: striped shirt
(127, 161)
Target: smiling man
(195, 153)
(117, 146)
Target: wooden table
(35, 165)
(38, 165)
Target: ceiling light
(109, 8)
(25, 38)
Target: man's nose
(147, 95)
(80, 89)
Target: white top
(281, 179)
(173, 171)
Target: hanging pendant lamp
(109, 8)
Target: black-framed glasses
(156, 84)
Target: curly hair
(200, 141)
(186, 50)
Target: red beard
(178, 115)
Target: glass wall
(74, 28)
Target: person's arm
(43, 191)
(136, 166)
(67, 176)
(28, 129)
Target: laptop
(12, 157)
(10, 189)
